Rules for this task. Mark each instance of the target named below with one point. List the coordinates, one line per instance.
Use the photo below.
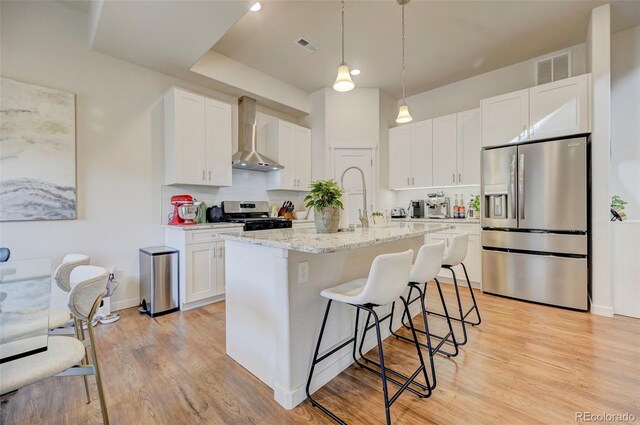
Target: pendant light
(403, 114)
(343, 80)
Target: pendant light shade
(343, 79)
(403, 113)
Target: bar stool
(387, 281)
(455, 256)
(427, 265)
(65, 356)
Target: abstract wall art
(37, 153)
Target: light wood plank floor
(526, 364)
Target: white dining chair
(66, 356)
(61, 317)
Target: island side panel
(307, 309)
(255, 314)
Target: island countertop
(307, 240)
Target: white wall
(466, 94)
(352, 118)
(120, 156)
(599, 64)
(625, 118)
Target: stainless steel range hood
(248, 158)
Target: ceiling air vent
(302, 42)
(553, 68)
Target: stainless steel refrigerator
(535, 221)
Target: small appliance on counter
(398, 213)
(417, 208)
(254, 215)
(184, 213)
(214, 214)
(202, 211)
(438, 205)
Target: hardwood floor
(526, 364)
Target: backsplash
(403, 197)
(247, 186)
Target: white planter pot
(327, 219)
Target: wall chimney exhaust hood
(248, 158)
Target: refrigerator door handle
(512, 186)
(521, 191)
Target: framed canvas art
(37, 153)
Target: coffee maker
(439, 206)
(184, 211)
(417, 208)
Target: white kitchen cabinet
(505, 118)
(472, 261)
(198, 139)
(469, 147)
(559, 108)
(445, 150)
(400, 157)
(201, 264)
(290, 146)
(410, 155)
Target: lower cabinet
(473, 260)
(202, 278)
(204, 271)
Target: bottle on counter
(462, 211)
(456, 207)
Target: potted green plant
(617, 208)
(474, 205)
(324, 196)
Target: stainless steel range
(254, 215)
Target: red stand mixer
(184, 211)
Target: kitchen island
(273, 303)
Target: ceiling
(447, 41)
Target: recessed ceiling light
(256, 7)
(355, 72)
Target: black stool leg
(313, 365)
(473, 297)
(451, 333)
(383, 373)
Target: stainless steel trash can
(159, 280)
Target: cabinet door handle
(408, 181)
(459, 177)
(453, 177)
(413, 181)
(532, 129)
(209, 175)
(202, 175)
(215, 253)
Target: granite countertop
(307, 240)
(205, 226)
(437, 220)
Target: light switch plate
(303, 272)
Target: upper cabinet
(555, 109)
(198, 139)
(410, 153)
(469, 147)
(290, 146)
(505, 118)
(445, 150)
(559, 108)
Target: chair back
(428, 262)
(457, 250)
(89, 285)
(69, 262)
(388, 278)
(5, 253)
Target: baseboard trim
(122, 304)
(602, 310)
